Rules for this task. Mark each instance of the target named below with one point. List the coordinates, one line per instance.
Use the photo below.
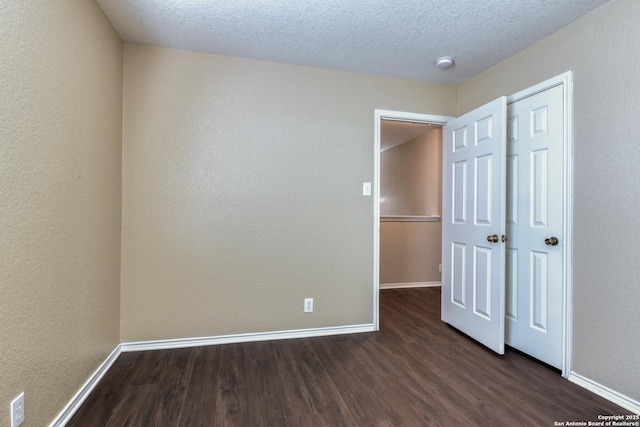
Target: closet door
(535, 168)
(473, 224)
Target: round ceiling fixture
(444, 62)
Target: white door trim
(566, 80)
(395, 116)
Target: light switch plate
(366, 188)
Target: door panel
(459, 280)
(474, 171)
(512, 277)
(539, 196)
(459, 197)
(535, 167)
(538, 285)
(482, 190)
(482, 282)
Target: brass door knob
(493, 238)
(551, 241)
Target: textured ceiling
(384, 37)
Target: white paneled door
(503, 223)
(474, 221)
(534, 265)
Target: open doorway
(399, 211)
(410, 204)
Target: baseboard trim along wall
(76, 401)
(602, 391)
(74, 404)
(250, 337)
(409, 285)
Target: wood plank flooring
(416, 371)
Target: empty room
(190, 225)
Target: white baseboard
(611, 395)
(70, 409)
(76, 401)
(250, 337)
(409, 285)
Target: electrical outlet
(308, 305)
(17, 410)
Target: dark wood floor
(415, 372)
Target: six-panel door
(535, 167)
(473, 222)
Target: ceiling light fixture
(444, 62)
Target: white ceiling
(393, 133)
(384, 37)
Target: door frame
(566, 81)
(398, 116)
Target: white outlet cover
(17, 411)
(308, 305)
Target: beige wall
(410, 252)
(601, 50)
(410, 176)
(410, 184)
(60, 163)
(242, 192)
